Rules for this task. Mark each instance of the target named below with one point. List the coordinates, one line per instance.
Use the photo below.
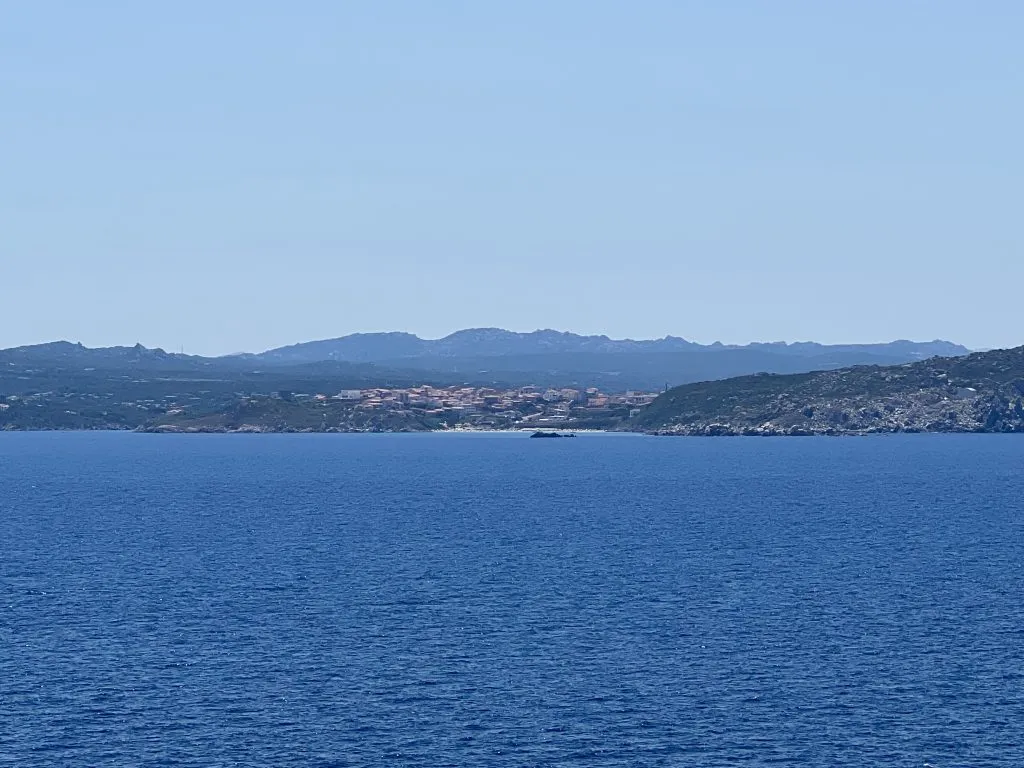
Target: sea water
(476, 599)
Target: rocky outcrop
(983, 392)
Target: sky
(243, 174)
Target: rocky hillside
(982, 392)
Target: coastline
(710, 431)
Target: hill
(982, 392)
(572, 359)
(68, 386)
(62, 385)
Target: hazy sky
(238, 174)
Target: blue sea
(491, 600)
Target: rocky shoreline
(925, 412)
(727, 430)
(981, 393)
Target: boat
(550, 434)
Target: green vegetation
(65, 386)
(269, 414)
(981, 392)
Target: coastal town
(486, 407)
(374, 409)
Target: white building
(349, 394)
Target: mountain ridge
(544, 357)
(650, 364)
(492, 342)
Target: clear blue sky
(238, 174)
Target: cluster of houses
(470, 404)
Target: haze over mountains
(643, 364)
(543, 357)
(490, 342)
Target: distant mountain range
(474, 343)
(612, 363)
(489, 355)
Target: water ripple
(483, 600)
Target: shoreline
(694, 433)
